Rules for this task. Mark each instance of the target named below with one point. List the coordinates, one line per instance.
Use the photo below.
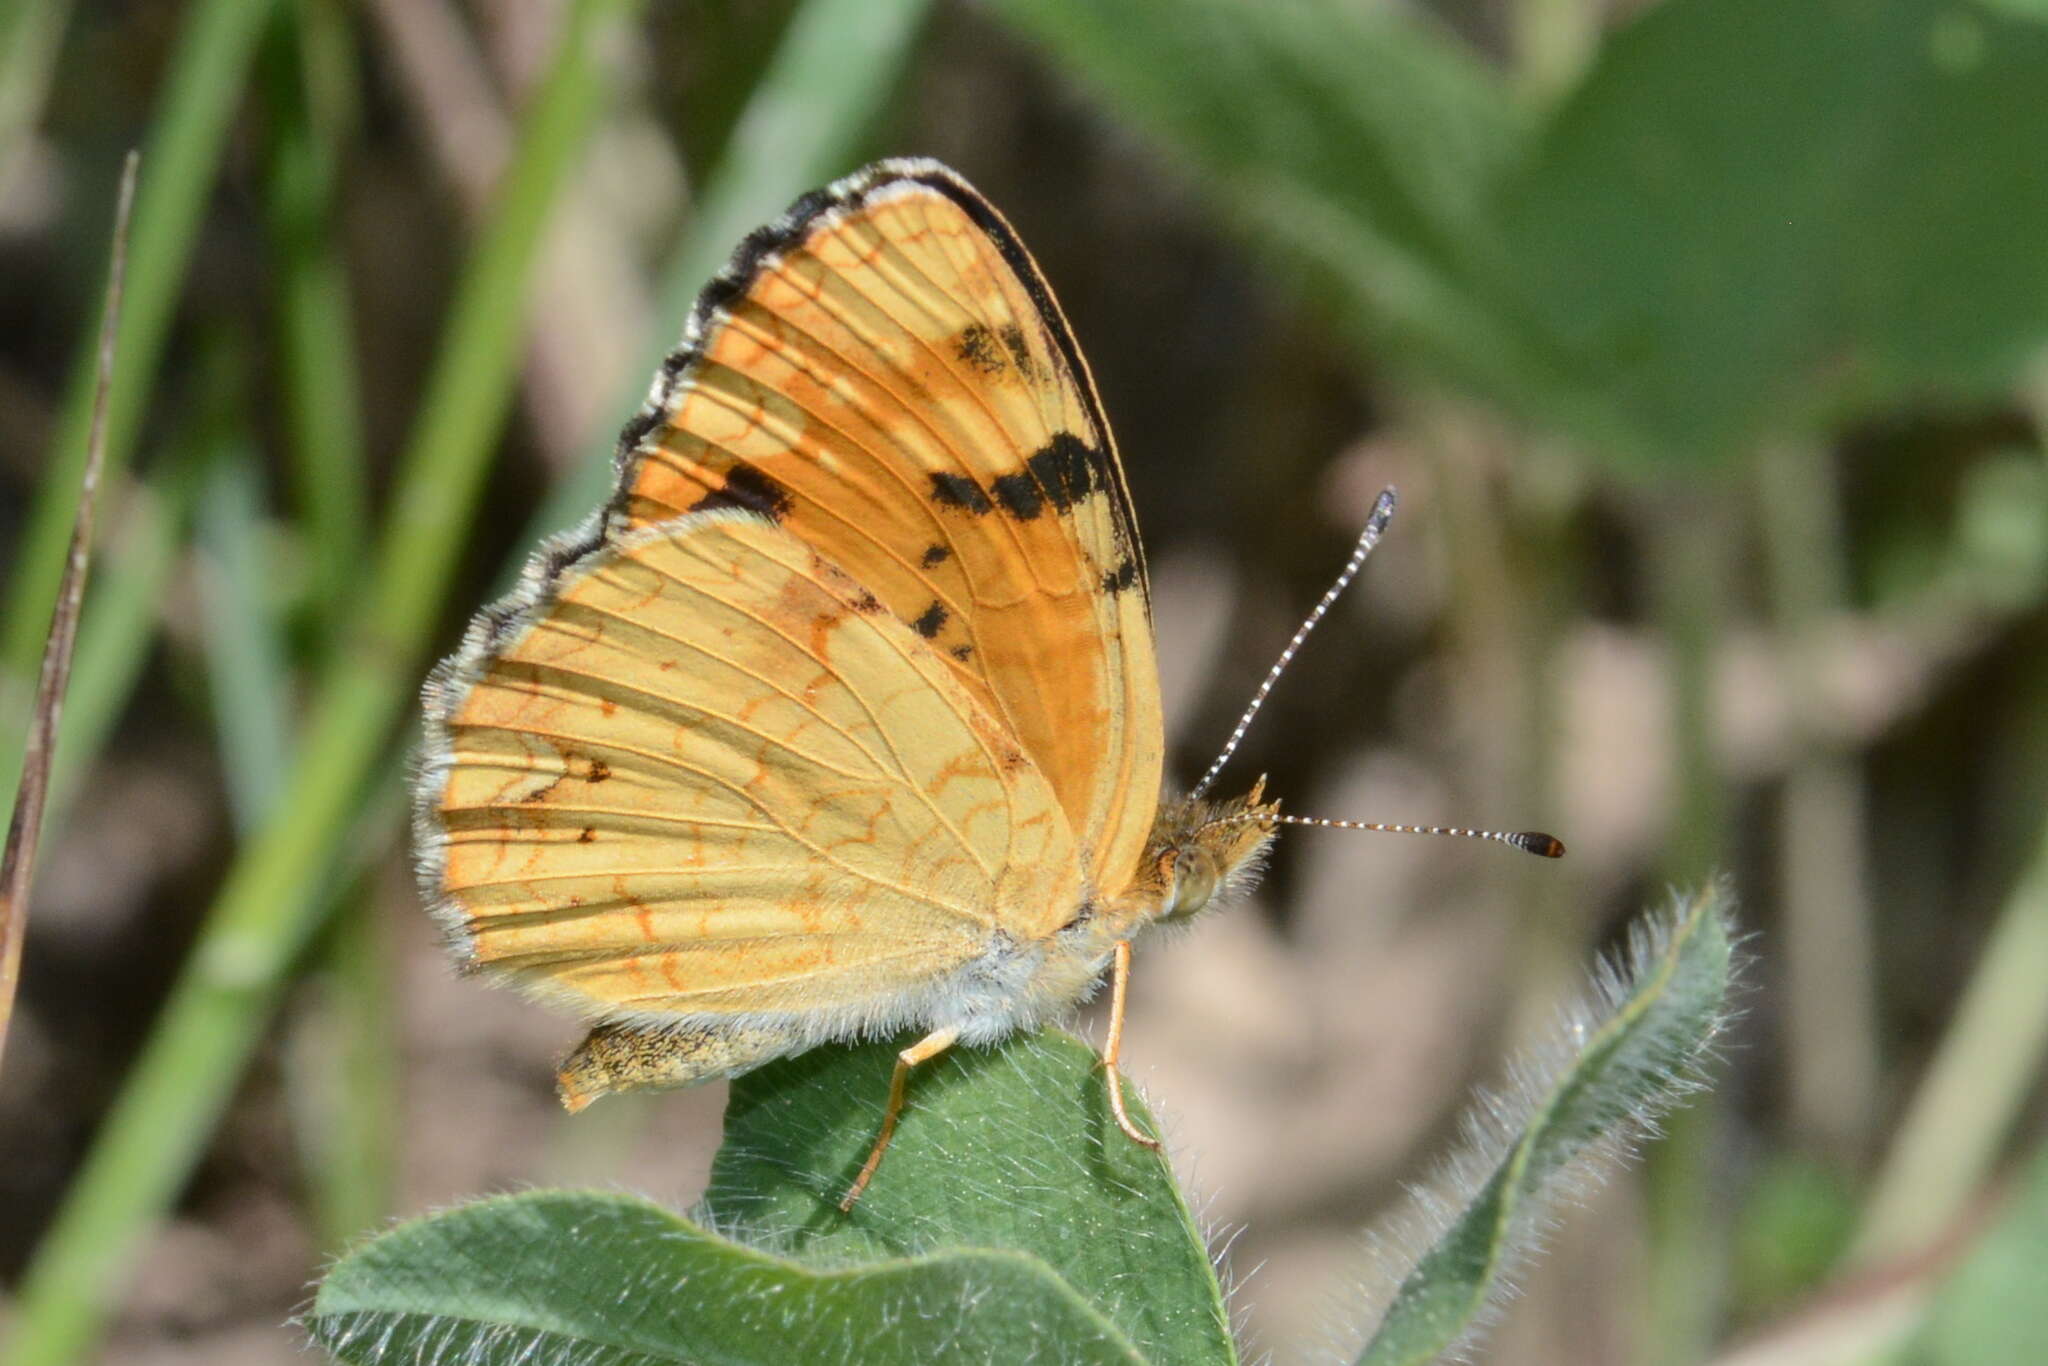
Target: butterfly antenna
(1375, 527)
(1528, 841)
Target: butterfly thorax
(1200, 853)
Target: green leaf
(1360, 146)
(1009, 1222)
(1615, 1070)
(1747, 215)
(606, 1280)
(1009, 1147)
(1750, 211)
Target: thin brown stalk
(18, 860)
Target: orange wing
(703, 773)
(885, 374)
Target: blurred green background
(1702, 338)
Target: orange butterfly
(842, 716)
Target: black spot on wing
(748, 488)
(962, 652)
(1066, 351)
(931, 622)
(1062, 472)
(935, 555)
(1020, 351)
(1069, 469)
(976, 345)
(599, 771)
(1122, 578)
(1019, 495)
(959, 491)
(866, 603)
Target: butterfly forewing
(885, 375)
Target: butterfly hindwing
(885, 375)
(705, 773)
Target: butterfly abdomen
(625, 1057)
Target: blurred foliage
(1990, 1309)
(1795, 1226)
(1744, 217)
(1711, 327)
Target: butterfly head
(1203, 851)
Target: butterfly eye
(1194, 883)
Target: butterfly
(841, 718)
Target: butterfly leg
(1120, 982)
(924, 1050)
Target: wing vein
(895, 755)
(670, 705)
(748, 798)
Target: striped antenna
(1528, 841)
(1375, 526)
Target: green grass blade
(31, 31)
(310, 67)
(1659, 1015)
(248, 677)
(120, 621)
(204, 84)
(115, 635)
(343, 1084)
(803, 125)
(19, 848)
(466, 398)
(1976, 1088)
(266, 909)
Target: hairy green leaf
(1612, 1070)
(607, 1280)
(1010, 1147)
(1009, 1222)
